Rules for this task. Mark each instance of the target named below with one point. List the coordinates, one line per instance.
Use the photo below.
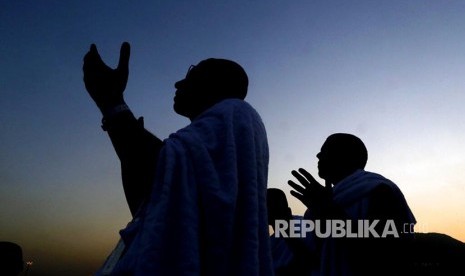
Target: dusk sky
(390, 72)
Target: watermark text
(338, 228)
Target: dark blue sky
(391, 72)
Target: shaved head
(341, 155)
(207, 83)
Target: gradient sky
(390, 72)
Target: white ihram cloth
(352, 194)
(207, 210)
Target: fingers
(124, 54)
(92, 58)
(298, 196)
(306, 180)
(309, 177)
(93, 48)
(310, 190)
(301, 179)
(296, 187)
(93, 53)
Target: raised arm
(136, 148)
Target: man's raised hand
(104, 84)
(311, 193)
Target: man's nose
(179, 84)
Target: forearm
(138, 151)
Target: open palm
(104, 84)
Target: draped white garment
(352, 194)
(207, 211)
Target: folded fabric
(207, 211)
(359, 185)
(352, 194)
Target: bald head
(207, 83)
(224, 77)
(341, 155)
(278, 208)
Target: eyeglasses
(189, 70)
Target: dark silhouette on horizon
(290, 255)
(195, 196)
(278, 207)
(437, 254)
(353, 194)
(11, 259)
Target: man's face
(329, 161)
(192, 92)
(185, 90)
(323, 162)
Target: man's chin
(177, 110)
(180, 110)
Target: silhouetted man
(198, 198)
(290, 255)
(381, 223)
(11, 259)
